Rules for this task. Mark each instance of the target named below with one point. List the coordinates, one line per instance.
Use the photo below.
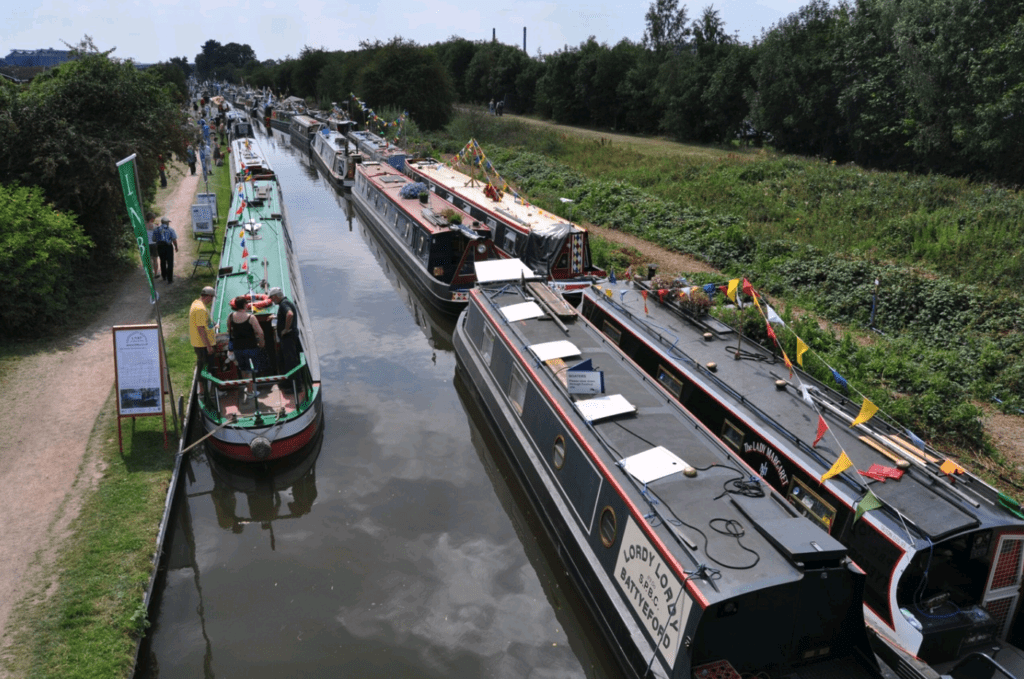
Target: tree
(39, 246)
(220, 62)
(666, 26)
(410, 78)
(79, 119)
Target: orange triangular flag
(841, 465)
(867, 411)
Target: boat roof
(391, 181)
(246, 153)
(925, 498)
(375, 145)
(630, 427)
(266, 243)
(515, 212)
(306, 120)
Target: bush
(39, 246)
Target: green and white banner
(130, 187)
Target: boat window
(608, 527)
(613, 333)
(732, 435)
(558, 453)
(670, 381)
(510, 241)
(563, 261)
(517, 390)
(487, 344)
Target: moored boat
(942, 548)
(551, 246)
(690, 568)
(436, 244)
(335, 157)
(375, 147)
(282, 410)
(302, 129)
(238, 124)
(248, 162)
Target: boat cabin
(303, 128)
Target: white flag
(772, 316)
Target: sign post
(138, 374)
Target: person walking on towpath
(190, 156)
(154, 251)
(167, 244)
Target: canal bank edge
(52, 473)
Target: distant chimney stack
(494, 35)
(524, 40)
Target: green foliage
(411, 78)
(219, 62)
(78, 121)
(38, 247)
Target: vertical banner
(130, 186)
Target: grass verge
(86, 613)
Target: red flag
(748, 289)
(771, 333)
(245, 265)
(245, 252)
(822, 428)
(241, 206)
(661, 295)
(644, 293)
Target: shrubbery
(39, 247)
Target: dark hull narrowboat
(335, 158)
(943, 552)
(374, 147)
(274, 412)
(688, 567)
(302, 129)
(551, 246)
(436, 245)
(248, 162)
(238, 125)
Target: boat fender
(260, 447)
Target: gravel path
(44, 470)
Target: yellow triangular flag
(733, 284)
(801, 349)
(841, 465)
(867, 411)
(608, 293)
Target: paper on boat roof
(653, 464)
(521, 312)
(595, 409)
(496, 270)
(549, 350)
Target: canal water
(402, 544)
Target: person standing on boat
(166, 244)
(190, 156)
(246, 339)
(287, 332)
(154, 251)
(202, 333)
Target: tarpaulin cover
(543, 245)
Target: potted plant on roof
(424, 195)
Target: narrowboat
(435, 244)
(690, 566)
(302, 129)
(551, 246)
(334, 156)
(375, 147)
(248, 162)
(238, 125)
(271, 412)
(941, 547)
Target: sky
(150, 31)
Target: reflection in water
(437, 327)
(587, 643)
(270, 492)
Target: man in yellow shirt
(202, 332)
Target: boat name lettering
(653, 590)
(760, 448)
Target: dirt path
(60, 392)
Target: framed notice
(202, 218)
(209, 199)
(138, 370)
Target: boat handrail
(259, 380)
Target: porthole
(558, 452)
(608, 527)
